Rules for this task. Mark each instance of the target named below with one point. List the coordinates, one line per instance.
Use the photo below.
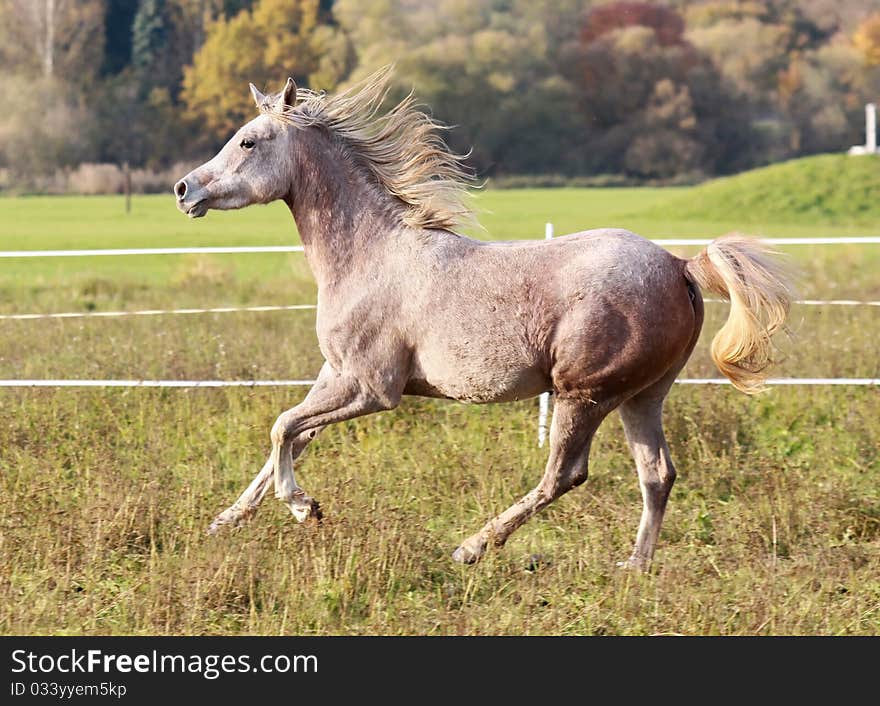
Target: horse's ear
(259, 98)
(288, 95)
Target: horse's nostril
(180, 189)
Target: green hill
(831, 188)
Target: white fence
(158, 312)
(154, 251)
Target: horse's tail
(742, 270)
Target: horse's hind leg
(246, 505)
(574, 423)
(643, 426)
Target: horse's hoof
(316, 515)
(464, 556)
(635, 563)
(230, 516)
(306, 508)
(536, 562)
(467, 555)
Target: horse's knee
(657, 489)
(566, 480)
(281, 429)
(665, 471)
(304, 438)
(668, 475)
(655, 467)
(578, 476)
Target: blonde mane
(401, 148)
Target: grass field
(828, 189)
(773, 526)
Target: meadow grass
(829, 189)
(773, 526)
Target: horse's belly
(479, 383)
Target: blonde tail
(741, 269)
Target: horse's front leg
(246, 506)
(335, 397)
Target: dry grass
(774, 526)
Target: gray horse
(406, 306)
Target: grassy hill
(830, 189)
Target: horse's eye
(247, 144)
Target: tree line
(663, 91)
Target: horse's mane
(401, 148)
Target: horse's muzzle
(188, 200)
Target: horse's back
(588, 265)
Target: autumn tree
(867, 39)
(52, 38)
(666, 23)
(656, 104)
(667, 142)
(488, 72)
(790, 66)
(51, 51)
(264, 45)
(41, 127)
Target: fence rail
(221, 250)
(158, 312)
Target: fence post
(126, 171)
(544, 399)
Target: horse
(407, 306)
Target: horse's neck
(343, 221)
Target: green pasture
(825, 189)
(773, 526)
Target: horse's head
(253, 167)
